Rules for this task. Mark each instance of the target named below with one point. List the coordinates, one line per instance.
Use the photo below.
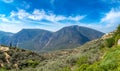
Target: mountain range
(95, 55)
(38, 39)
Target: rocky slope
(16, 59)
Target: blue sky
(102, 15)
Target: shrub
(3, 69)
(82, 60)
(66, 69)
(32, 63)
(72, 60)
(110, 42)
(83, 67)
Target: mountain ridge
(72, 35)
(67, 37)
(96, 55)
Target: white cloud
(21, 14)
(3, 19)
(8, 1)
(42, 15)
(10, 27)
(76, 18)
(112, 17)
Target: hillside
(62, 60)
(72, 36)
(25, 36)
(98, 55)
(65, 38)
(14, 58)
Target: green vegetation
(82, 60)
(110, 61)
(32, 63)
(19, 58)
(3, 69)
(114, 39)
(110, 42)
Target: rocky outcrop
(4, 49)
(107, 35)
(7, 56)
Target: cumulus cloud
(42, 15)
(21, 14)
(112, 17)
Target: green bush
(82, 67)
(32, 63)
(82, 60)
(110, 42)
(3, 69)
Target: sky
(52, 15)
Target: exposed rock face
(119, 42)
(7, 56)
(4, 49)
(1, 65)
(107, 35)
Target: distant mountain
(67, 37)
(26, 38)
(72, 36)
(38, 42)
(4, 36)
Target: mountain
(38, 42)
(65, 38)
(25, 38)
(4, 36)
(72, 36)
